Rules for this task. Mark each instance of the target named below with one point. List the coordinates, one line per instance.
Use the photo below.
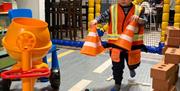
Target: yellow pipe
(166, 8)
(91, 3)
(98, 1)
(136, 2)
(27, 83)
(177, 14)
(166, 1)
(91, 12)
(98, 7)
(165, 19)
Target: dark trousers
(118, 67)
(171, 17)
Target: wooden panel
(64, 18)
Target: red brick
(173, 32)
(173, 41)
(164, 49)
(163, 85)
(167, 46)
(177, 73)
(173, 88)
(163, 71)
(172, 55)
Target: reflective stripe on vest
(138, 37)
(114, 35)
(126, 37)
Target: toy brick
(164, 49)
(173, 32)
(177, 74)
(173, 41)
(163, 71)
(173, 88)
(163, 85)
(166, 46)
(172, 55)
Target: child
(119, 15)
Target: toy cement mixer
(27, 41)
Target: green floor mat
(6, 62)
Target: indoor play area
(89, 45)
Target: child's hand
(141, 21)
(137, 19)
(92, 23)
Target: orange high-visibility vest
(126, 38)
(119, 22)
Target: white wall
(37, 7)
(42, 9)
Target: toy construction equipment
(126, 38)
(27, 41)
(55, 71)
(92, 45)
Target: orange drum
(37, 28)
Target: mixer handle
(14, 74)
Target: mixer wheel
(55, 78)
(5, 84)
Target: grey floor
(76, 67)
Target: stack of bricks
(172, 38)
(165, 73)
(164, 76)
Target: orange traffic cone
(126, 38)
(92, 45)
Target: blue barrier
(150, 49)
(68, 43)
(71, 43)
(154, 49)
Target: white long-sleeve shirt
(172, 4)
